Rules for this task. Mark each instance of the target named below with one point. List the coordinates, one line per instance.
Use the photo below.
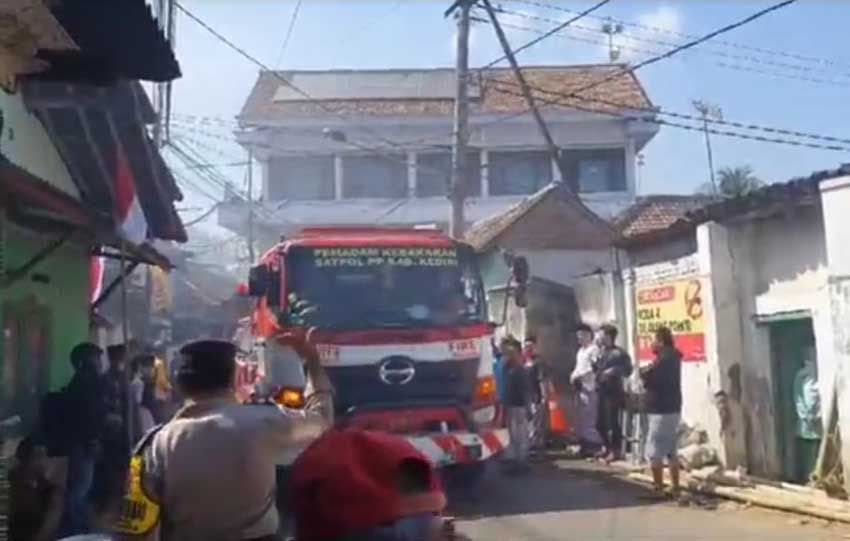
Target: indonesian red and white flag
(96, 268)
(131, 217)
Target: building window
(519, 173)
(382, 176)
(597, 170)
(301, 179)
(433, 173)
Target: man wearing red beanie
(356, 485)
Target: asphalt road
(574, 500)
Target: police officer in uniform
(209, 473)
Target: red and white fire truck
(401, 327)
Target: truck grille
(386, 383)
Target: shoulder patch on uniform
(146, 439)
(139, 512)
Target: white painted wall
(750, 270)
(573, 130)
(26, 143)
(699, 380)
(835, 199)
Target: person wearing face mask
(612, 368)
(583, 380)
(807, 405)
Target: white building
(755, 290)
(389, 157)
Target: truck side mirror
(259, 280)
(520, 270)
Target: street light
(612, 29)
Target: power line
(242, 52)
(685, 46)
(212, 172)
(200, 174)
(629, 70)
(555, 30)
(738, 67)
(662, 122)
(685, 116)
(186, 183)
(656, 29)
(288, 32)
(202, 217)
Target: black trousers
(608, 422)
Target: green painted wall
(64, 295)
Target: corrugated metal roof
(763, 202)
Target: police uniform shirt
(208, 474)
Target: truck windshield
(386, 287)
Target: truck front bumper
(458, 448)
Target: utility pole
(457, 188)
(251, 204)
(529, 98)
(708, 110)
(166, 17)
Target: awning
(23, 193)
(90, 126)
(118, 40)
(35, 204)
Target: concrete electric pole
(250, 174)
(554, 151)
(709, 110)
(457, 188)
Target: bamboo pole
(128, 410)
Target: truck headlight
(484, 416)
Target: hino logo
(396, 370)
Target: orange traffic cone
(558, 425)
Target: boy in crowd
(517, 404)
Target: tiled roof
(764, 202)
(495, 98)
(486, 233)
(655, 212)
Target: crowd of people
(207, 474)
(71, 469)
(605, 385)
(522, 384)
(167, 481)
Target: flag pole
(128, 410)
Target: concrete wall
(25, 142)
(551, 316)
(596, 297)
(779, 267)
(835, 197)
(699, 379)
(562, 266)
(571, 130)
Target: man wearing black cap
(209, 473)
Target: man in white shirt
(583, 380)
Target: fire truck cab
(401, 327)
